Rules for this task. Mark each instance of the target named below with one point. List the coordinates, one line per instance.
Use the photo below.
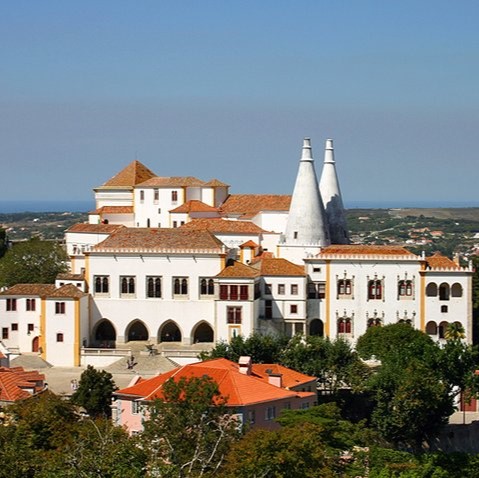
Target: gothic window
(153, 287)
(180, 286)
(174, 196)
(207, 286)
(405, 288)
(344, 326)
(375, 290)
(102, 284)
(127, 285)
(374, 322)
(344, 287)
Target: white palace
(181, 260)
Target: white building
(180, 260)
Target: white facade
(213, 278)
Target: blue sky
(228, 89)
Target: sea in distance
(86, 206)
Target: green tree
(32, 262)
(189, 431)
(261, 348)
(95, 391)
(415, 386)
(334, 362)
(97, 449)
(3, 242)
(454, 332)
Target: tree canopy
(189, 430)
(32, 262)
(95, 391)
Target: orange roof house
(18, 384)
(256, 393)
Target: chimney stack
(245, 363)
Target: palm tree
(454, 332)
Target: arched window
(127, 285)
(153, 287)
(102, 285)
(431, 289)
(180, 286)
(374, 322)
(316, 327)
(431, 328)
(456, 290)
(444, 291)
(375, 290)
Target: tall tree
(189, 430)
(333, 361)
(95, 391)
(32, 262)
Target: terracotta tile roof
(40, 290)
(14, 380)
(160, 240)
(237, 269)
(70, 276)
(94, 228)
(278, 267)
(133, 174)
(249, 243)
(68, 291)
(172, 182)
(438, 261)
(216, 183)
(252, 204)
(364, 250)
(260, 257)
(238, 389)
(290, 377)
(214, 224)
(195, 206)
(113, 210)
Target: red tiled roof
(438, 261)
(70, 276)
(237, 269)
(252, 204)
(238, 389)
(113, 210)
(195, 206)
(364, 250)
(290, 377)
(215, 183)
(40, 290)
(278, 267)
(172, 182)
(154, 239)
(95, 228)
(14, 380)
(133, 174)
(68, 291)
(219, 225)
(249, 243)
